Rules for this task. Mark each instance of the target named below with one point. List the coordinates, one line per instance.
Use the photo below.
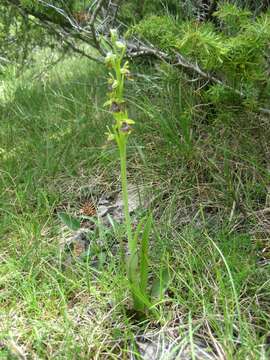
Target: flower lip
(117, 107)
(126, 128)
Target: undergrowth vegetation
(86, 274)
(234, 51)
(208, 181)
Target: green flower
(110, 59)
(114, 35)
(120, 45)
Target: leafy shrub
(236, 51)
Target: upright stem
(121, 130)
(131, 260)
(123, 154)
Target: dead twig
(92, 26)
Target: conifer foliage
(232, 51)
(223, 43)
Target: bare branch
(70, 29)
(93, 29)
(70, 19)
(65, 37)
(96, 11)
(212, 8)
(135, 50)
(112, 11)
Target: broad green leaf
(132, 262)
(132, 267)
(141, 301)
(70, 221)
(144, 262)
(160, 284)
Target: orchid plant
(137, 263)
(137, 260)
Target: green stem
(132, 266)
(123, 156)
(117, 94)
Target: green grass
(207, 201)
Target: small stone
(133, 199)
(102, 210)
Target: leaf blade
(144, 262)
(71, 222)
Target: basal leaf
(71, 222)
(160, 284)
